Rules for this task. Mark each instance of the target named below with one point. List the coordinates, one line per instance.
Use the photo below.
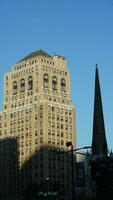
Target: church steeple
(99, 143)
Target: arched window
(54, 83)
(15, 87)
(22, 85)
(45, 80)
(63, 84)
(30, 83)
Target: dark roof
(35, 53)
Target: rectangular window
(49, 141)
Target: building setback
(37, 121)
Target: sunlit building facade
(37, 120)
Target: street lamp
(72, 159)
(68, 144)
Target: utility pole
(72, 159)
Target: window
(41, 107)
(49, 116)
(58, 142)
(36, 133)
(49, 140)
(58, 134)
(53, 141)
(36, 141)
(70, 119)
(66, 119)
(41, 115)
(70, 136)
(58, 109)
(54, 83)
(22, 85)
(62, 134)
(53, 108)
(53, 124)
(30, 110)
(36, 116)
(45, 81)
(49, 132)
(15, 87)
(58, 117)
(41, 132)
(61, 110)
(62, 126)
(30, 83)
(66, 127)
(53, 116)
(49, 124)
(26, 127)
(53, 133)
(41, 123)
(49, 108)
(70, 113)
(63, 84)
(11, 115)
(61, 118)
(58, 125)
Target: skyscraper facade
(37, 120)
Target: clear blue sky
(82, 31)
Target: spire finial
(96, 65)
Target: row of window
(57, 142)
(59, 126)
(22, 127)
(54, 70)
(22, 102)
(59, 110)
(59, 118)
(24, 65)
(22, 85)
(58, 134)
(31, 63)
(45, 84)
(22, 112)
(54, 82)
(47, 61)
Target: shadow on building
(49, 171)
(9, 169)
(46, 174)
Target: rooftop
(34, 54)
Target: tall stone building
(37, 121)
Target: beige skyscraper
(37, 121)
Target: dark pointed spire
(99, 143)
